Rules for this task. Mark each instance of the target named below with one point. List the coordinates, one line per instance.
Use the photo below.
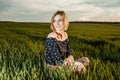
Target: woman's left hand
(69, 60)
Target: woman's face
(58, 23)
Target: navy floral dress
(56, 51)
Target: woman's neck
(60, 36)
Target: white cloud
(85, 12)
(41, 10)
(113, 14)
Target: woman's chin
(59, 32)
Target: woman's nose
(57, 23)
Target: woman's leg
(84, 60)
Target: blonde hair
(65, 20)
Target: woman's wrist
(71, 58)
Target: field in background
(22, 51)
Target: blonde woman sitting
(58, 51)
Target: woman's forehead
(58, 16)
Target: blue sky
(76, 10)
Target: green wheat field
(22, 51)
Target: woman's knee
(84, 60)
(80, 68)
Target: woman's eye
(53, 20)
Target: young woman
(58, 52)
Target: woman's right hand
(69, 60)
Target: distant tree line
(72, 22)
(94, 22)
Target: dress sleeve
(52, 53)
(68, 53)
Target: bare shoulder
(50, 35)
(66, 34)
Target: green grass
(22, 51)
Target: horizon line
(69, 21)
